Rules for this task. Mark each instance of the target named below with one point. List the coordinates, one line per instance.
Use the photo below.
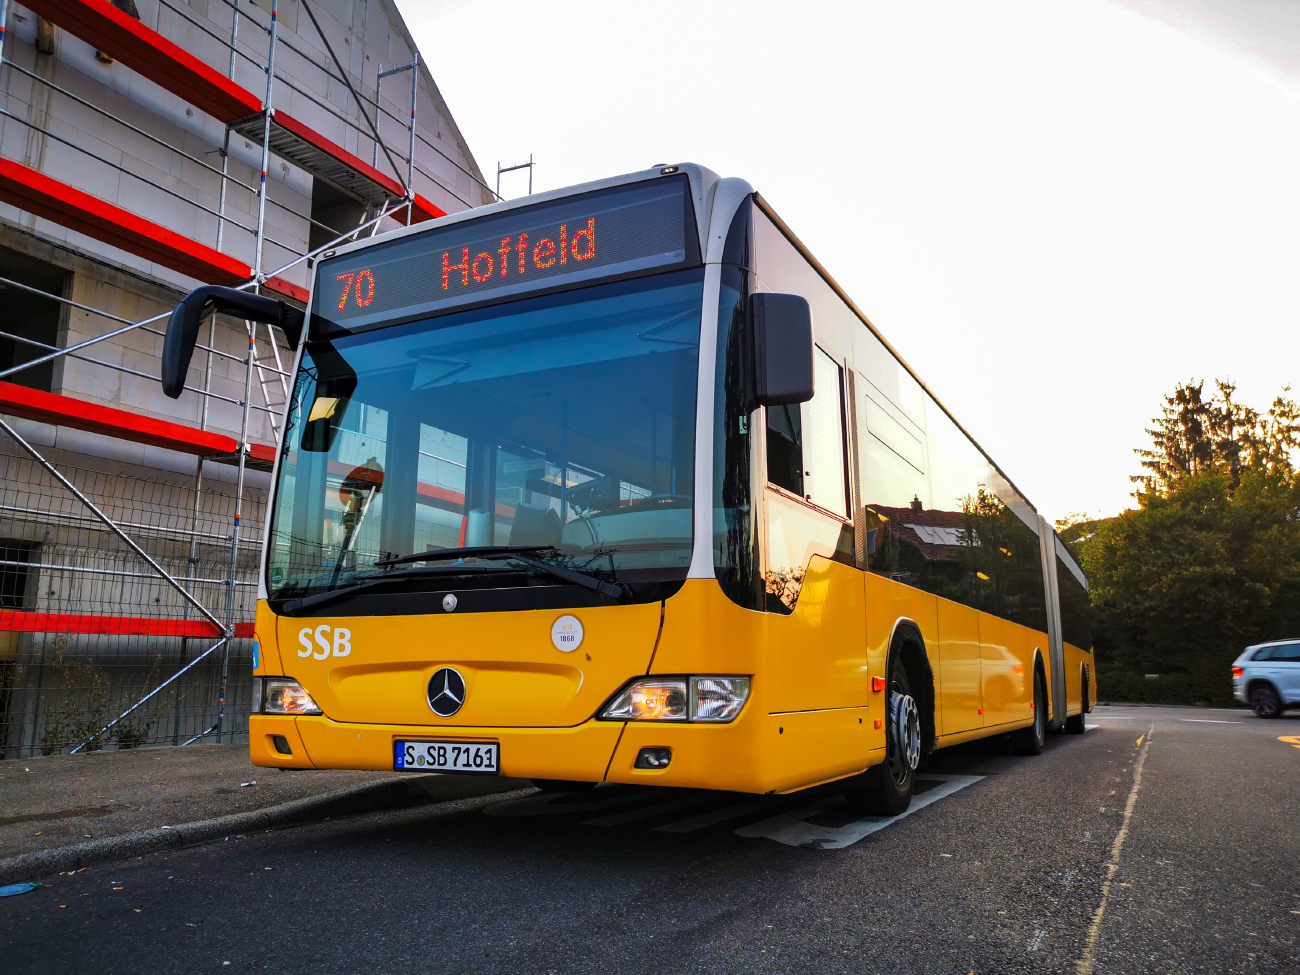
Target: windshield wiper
(472, 551)
(516, 553)
(370, 582)
(488, 552)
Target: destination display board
(641, 227)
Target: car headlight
(716, 699)
(285, 696)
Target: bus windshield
(563, 422)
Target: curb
(369, 797)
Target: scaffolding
(125, 600)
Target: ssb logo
(340, 645)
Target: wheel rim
(905, 743)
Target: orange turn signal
(877, 683)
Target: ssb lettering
(340, 645)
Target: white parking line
(631, 815)
(775, 824)
(1209, 721)
(559, 803)
(792, 829)
(790, 826)
(735, 810)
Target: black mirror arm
(183, 326)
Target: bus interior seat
(535, 525)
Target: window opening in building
(334, 208)
(29, 316)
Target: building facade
(137, 161)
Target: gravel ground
(57, 800)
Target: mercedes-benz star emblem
(446, 692)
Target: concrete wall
(172, 190)
(142, 484)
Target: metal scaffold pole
(410, 152)
(259, 278)
(86, 596)
(4, 17)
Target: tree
(1193, 435)
(1209, 561)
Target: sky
(1055, 212)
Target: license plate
(475, 758)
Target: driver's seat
(535, 525)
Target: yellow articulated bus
(614, 484)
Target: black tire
(562, 785)
(1030, 741)
(886, 789)
(1265, 702)
(1074, 724)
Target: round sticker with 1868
(566, 633)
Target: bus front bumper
(703, 756)
(579, 754)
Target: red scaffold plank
(66, 411)
(36, 193)
(424, 210)
(263, 452)
(39, 194)
(147, 52)
(19, 621)
(287, 288)
(331, 148)
(174, 69)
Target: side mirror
(336, 381)
(183, 326)
(783, 349)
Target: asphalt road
(1068, 862)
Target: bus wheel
(562, 785)
(1074, 724)
(1029, 741)
(886, 790)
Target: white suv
(1267, 677)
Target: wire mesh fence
(87, 627)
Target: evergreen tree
(1209, 561)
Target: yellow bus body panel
(514, 674)
(811, 716)
(960, 653)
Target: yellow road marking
(1292, 740)
(1088, 961)
(1140, 737)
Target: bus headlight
(717, 699)
(285, 696)
(649, 700)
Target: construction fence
(89, 627)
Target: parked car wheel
(1265, 702)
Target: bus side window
(824, 445)
(785, 448)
